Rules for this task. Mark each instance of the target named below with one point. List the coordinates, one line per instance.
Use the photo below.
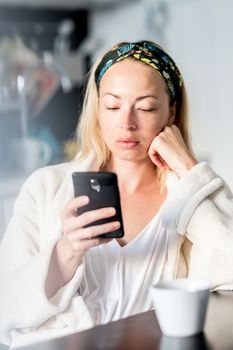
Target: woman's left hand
(169, 151)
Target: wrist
(186, 165)
(67, 261)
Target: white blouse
(117, 279)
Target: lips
(127, 143)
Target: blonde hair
(89, 136)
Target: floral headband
(150, 54)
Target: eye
(147, 109)
(112, 108)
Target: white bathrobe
(196, 220)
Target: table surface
(142, 332)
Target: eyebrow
(137, 99)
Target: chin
(130, 156)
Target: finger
(94, 231)
(95, 215)
(70, 225)
(161, 161)
(74, 224)
(157, 159)
(72, 206)
(83, 246)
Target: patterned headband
(150, 54)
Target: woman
(59, 277)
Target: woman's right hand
(78, 239)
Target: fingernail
(111, 211)
(116, 224)
(85, 199)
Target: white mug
(30, 154)
(180, 306)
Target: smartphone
(102, 190)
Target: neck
(132, 175)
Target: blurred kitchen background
(47, 47)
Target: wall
(198, 34)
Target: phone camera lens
(95, 185)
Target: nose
(128, 119)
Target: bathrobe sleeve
(24, 261)
(201, 209)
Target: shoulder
(51, 175)
(42, 186)
(50, 179)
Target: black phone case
(102, 190)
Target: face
(133, 108)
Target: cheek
(155, 127)
(161, 120)
(107, 119)
(107, 127)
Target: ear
(172, 114)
